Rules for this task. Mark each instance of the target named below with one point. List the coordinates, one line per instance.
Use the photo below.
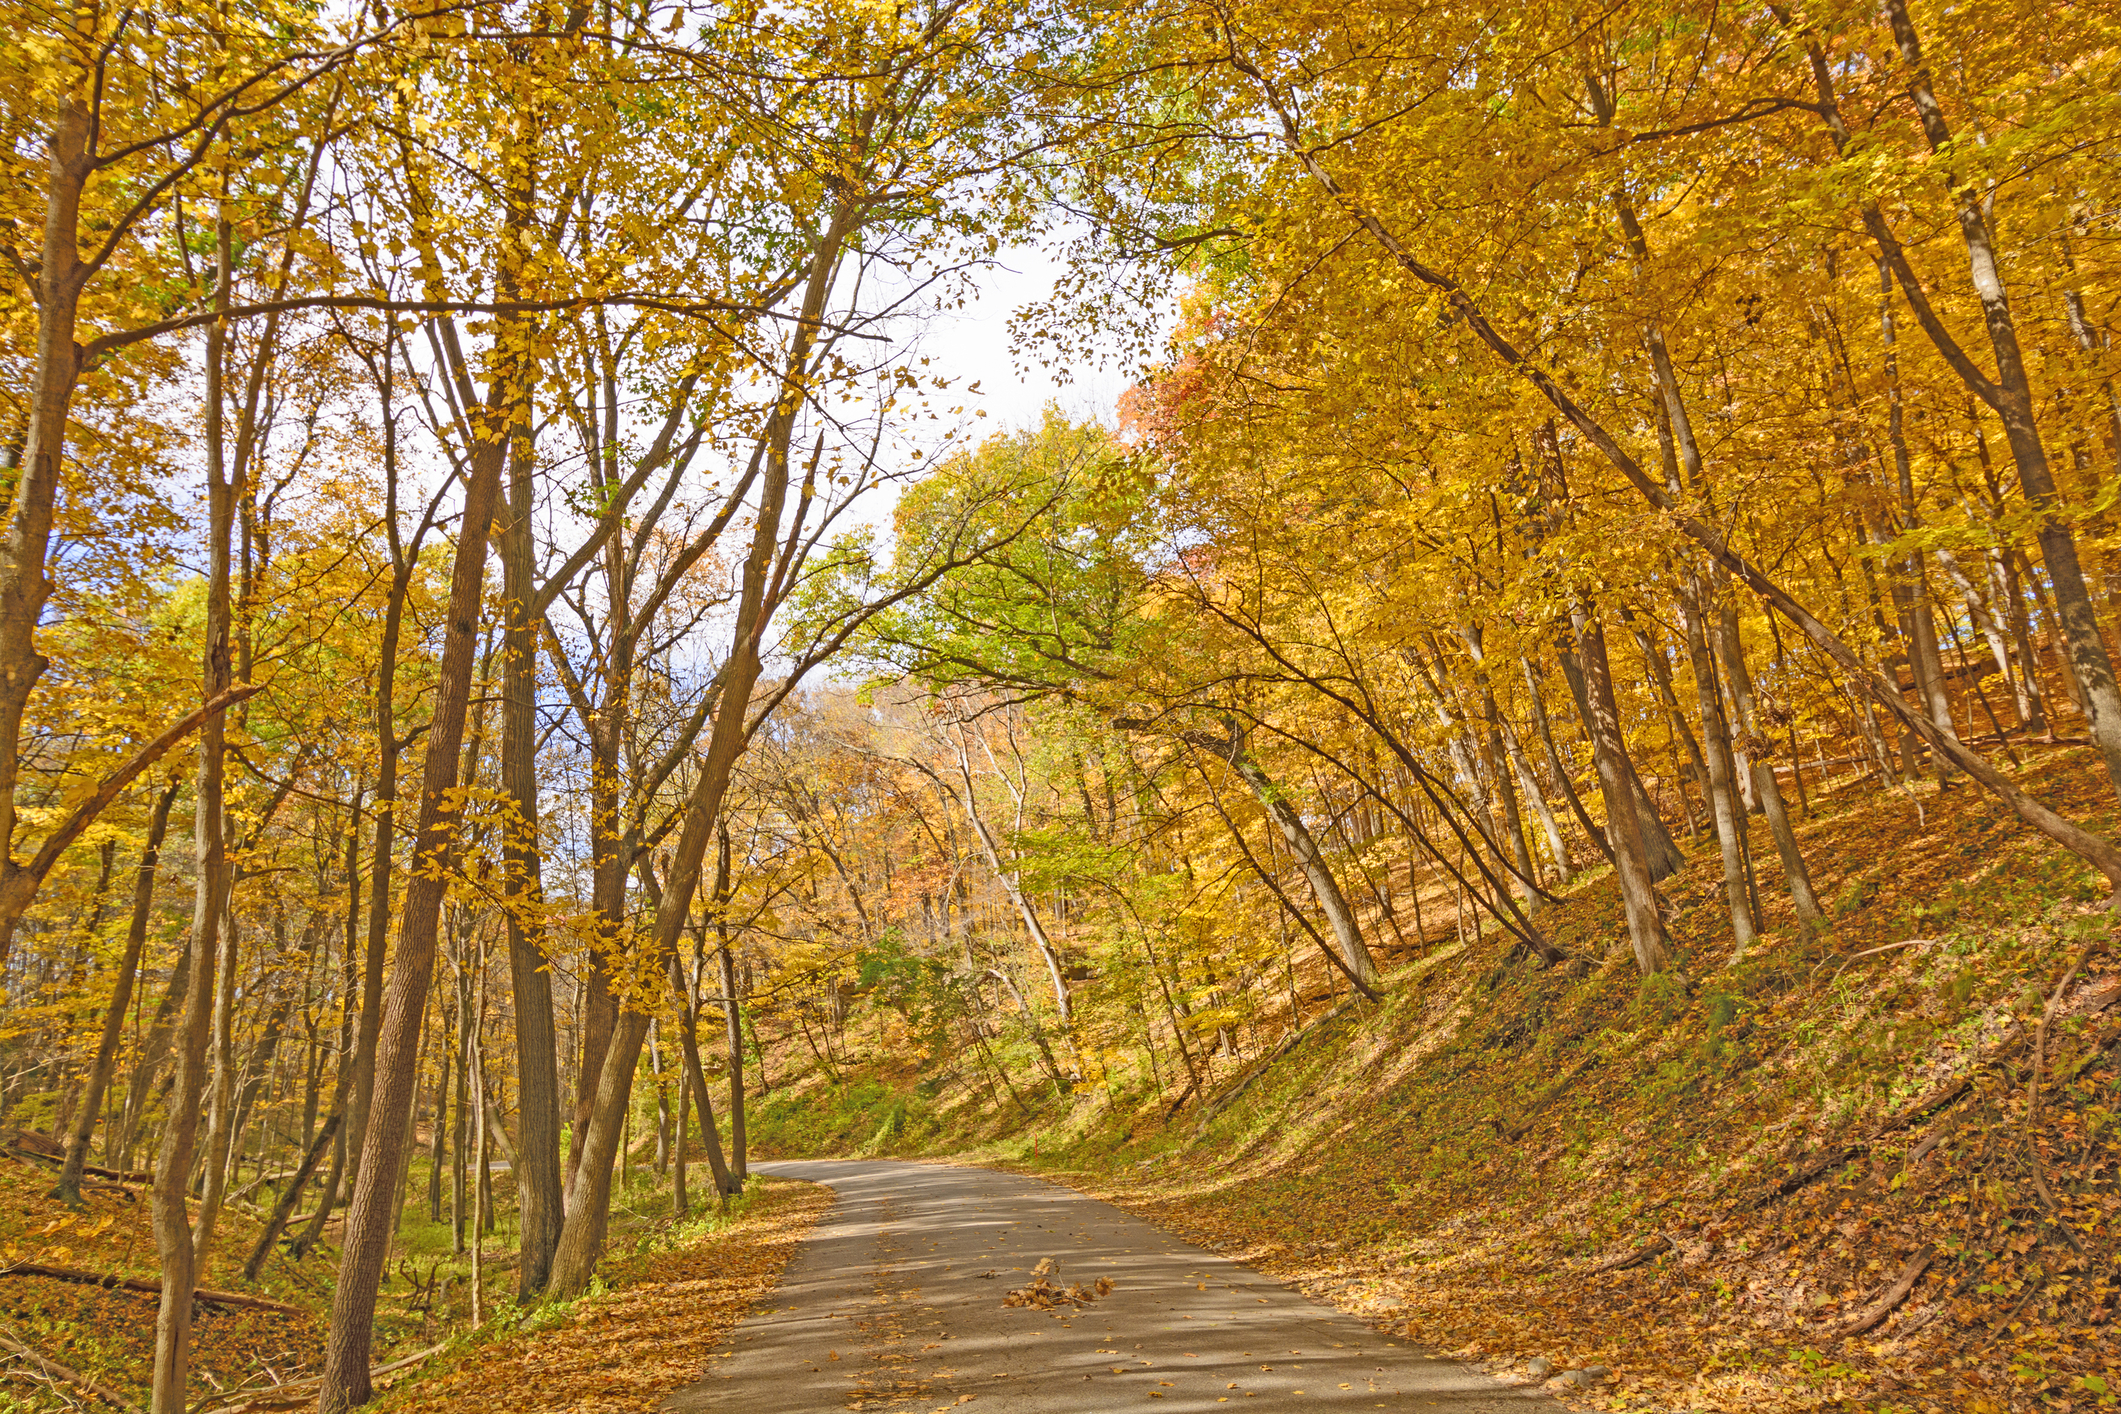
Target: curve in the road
(895, 1303)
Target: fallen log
(295, 1392)
(52, 1369)
(1893, 1295)
(1230, 1095)
(1655, 1247)
(115, 1175)
(1517, 1131)
(151, 1286)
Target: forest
(1574, 689)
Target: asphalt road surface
(895, 1303)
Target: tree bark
(1602, 719)
(2010, 394)
(733, 1024)
(588, 1211)
(1724, 805)
(1347, 935)
(172, 1223)
(2099, 852)
(25, 584)
(538, 1187)
(1761, 762)
(68, 1188)
(291, 1196)
(370, 1221)
(1545, 731)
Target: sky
(973, 345)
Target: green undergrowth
(1460, 1160)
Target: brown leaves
(627, 1349)
(1045, 1294)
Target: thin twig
(52, 1369)
(2032, 1096)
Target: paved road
(895, 1303)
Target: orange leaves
(630, 1347)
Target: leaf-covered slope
(1814, 1178)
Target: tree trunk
(2100, 853)
(1760, 760)
(57, 278)
(537, 1168)
(291, 1196)
(733, 1025)
(2010, 394)
(370, 1220)
(1716, 743)
(1347, 936)
(68, 1188)
(220, 1136)
(1534, 696)
(172, 1223)
(1602, 720)
(588, 1210)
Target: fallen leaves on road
(1044, 1294)
(623, 1350)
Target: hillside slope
(1816, 1177)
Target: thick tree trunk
(538, 1188)
(25, 586)
(68, 1188)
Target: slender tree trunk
(1602, 719)
(370, 1220)
(172, 1222)
(1347, 935)
(582, 1235)
(1723, 796)
(161, 1031)
(1659, 852)
(221, 1116)
(68, 1188)
(438, 1140)
(2099, 852)
(680, 1201)
(1534, 697)
(2010, 394)
(1761, 762)
(734, 1027)
(291, 1196)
